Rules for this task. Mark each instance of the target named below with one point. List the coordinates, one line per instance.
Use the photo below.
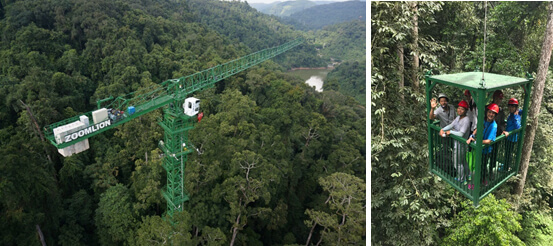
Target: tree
(400, 54)
(537, 228)
(78, 220)
(396, 26)
(28, 188)
(249, 183)
(490, 224)
(343, 221)
(323, 15)
(146, 183)
(155, 230)
(349, 78)
(415, 46)
(345, 41)
(537, 96)
(115, 218)
(391, 20)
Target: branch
(310, 234)
(40, 235)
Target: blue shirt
(490, 129)
(513, 123)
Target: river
(312, 77)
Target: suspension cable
(482, 83)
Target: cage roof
(471, 80)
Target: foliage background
(408, 205)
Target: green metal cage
(502, 163)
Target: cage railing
(455, 161)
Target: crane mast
(70, 136)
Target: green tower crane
(70, 136)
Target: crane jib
(69, 136)
(86, 131)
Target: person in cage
(513, 123)
(490, 131)
(472, 112)
(459, 127)
(497, 98)
(500, 121)
(445, 114)
(500, 117)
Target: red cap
(498, 93)
(467, 93)
(513, 101)
(463, 104)
(493, 107)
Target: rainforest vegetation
(277, 163)
(322, 15)
(286, 8)
(342, 41)
(410, 206)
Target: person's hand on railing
(472, 137)
(444, 134)
(470, 140)
(506, 133)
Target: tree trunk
(401, 70)
(235, 230)
(40, 235)
(36, 128)
(452, 59)
(537, 96)
(415, 47)
(310, 234)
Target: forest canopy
(275, 160)
(319, 16)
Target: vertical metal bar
(447, 157)
(432, 150)
(480, 104)
(428, 122)
(451, 158)
(455, 160)
(510, 163)
(527, 87)
(493, 161)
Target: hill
(289, 7)
(319, 16)
(349, 78)
(244, 25)
(344, 41)
(262, 7)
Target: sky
(270, 1)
